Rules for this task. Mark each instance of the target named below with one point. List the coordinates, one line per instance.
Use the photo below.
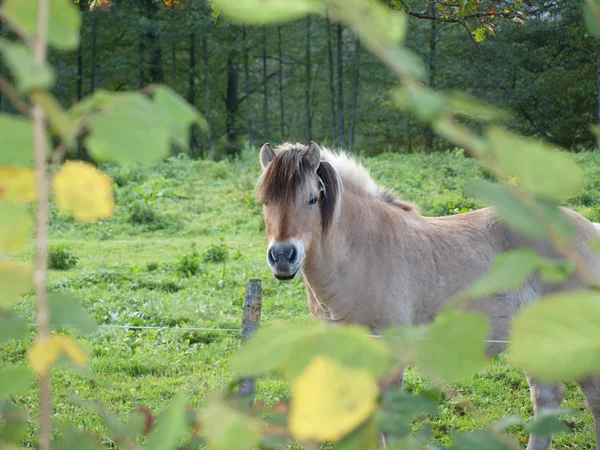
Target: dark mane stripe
(331, 195)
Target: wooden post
(250, 323)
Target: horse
(370, 258)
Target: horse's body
(368, 258)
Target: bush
(142, 213)
(189, 264)
(216, 253)
(60, 257)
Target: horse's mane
(289, 177)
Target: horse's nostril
(293, 254)
(271, 256)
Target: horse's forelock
(331, 196)
(289, 177)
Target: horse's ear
(266, 155)
(313, 154)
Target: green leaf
(465, 105)
(64, 20)
(16, 225)
(16, 141)
(506, 422)
(405, 62)
(402, 340)
(363, 437)
(269, 349)
(399, 409)
(547, 423)
(425, 103)
(266, 11)
(15, 381)
(479, 34)
(591, 18)
(372, 21)
(508, 209)
(351, 346)
(180, 114)
(171, 427)
(542, 170)
(28, 73)
(454, 347)
(477, 440)
(72, 438)
(13, 431)
(508, 271)
(227, 429)
(130, 129)
(66, 311)
(563, 328)
(12, 327)
(15, 281)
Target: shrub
(60, 257)
(216, 253)
(151, 267)
(189, 264)
(142, 213)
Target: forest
(312, 79)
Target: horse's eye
(313, 201)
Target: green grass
(134, 270)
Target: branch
(255, 88)
(14, 97)
(40, 48)
(17, 29)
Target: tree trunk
(232, 100)
(281, 102)
(174, 59)
(265, 86)
(340, 58)
(598, 87)
(247, 89)
(206, 90)
(308, 83)
(153, 40)
(191, 95)
(94, 48)
(142, 62)
(355, 83)
(331, 81)
(80, 152)
(432, 69)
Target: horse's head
(300, 195)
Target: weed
(189, 264)
(216, 253)
(142, 213)
(60, 257)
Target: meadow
(185, 238)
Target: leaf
(402, 340)
(508, 271)
(17, 184)
(266, 11)
(29, 74)
(171, 427)
(227, 428)
(403, 61)
(546, 423)
(350, 346)
(130, 129)
(454, 347)
(83, 191)
(15, 381)
(591, 17)
(75, 439)
(64, 20)
(66, 311)
(330, 400)
(477, 440)
(60, 122)
(269, 349)
(43, 353)
(479, 34)
(512, 212)
(15, 281)
(12, 326)
(362, 438)
(425, 103)
(563, 328)
(542, 170)
(16, 141)
(15, 226)
(399, 409)
(180, 114)
(465, 105)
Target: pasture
(185, 237)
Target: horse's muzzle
(284, 260)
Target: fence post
(250, 322)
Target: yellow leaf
(15, 226)
(17, 183)
(43, 354)
(330, 400)
(506, 10)
(15, 280)
(83, 191)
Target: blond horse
(369, 258)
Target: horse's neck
(334, 264)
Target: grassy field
(185, 238)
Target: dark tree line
(312, 79)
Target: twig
(39, 47)
(14, 97)
(18, 29)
